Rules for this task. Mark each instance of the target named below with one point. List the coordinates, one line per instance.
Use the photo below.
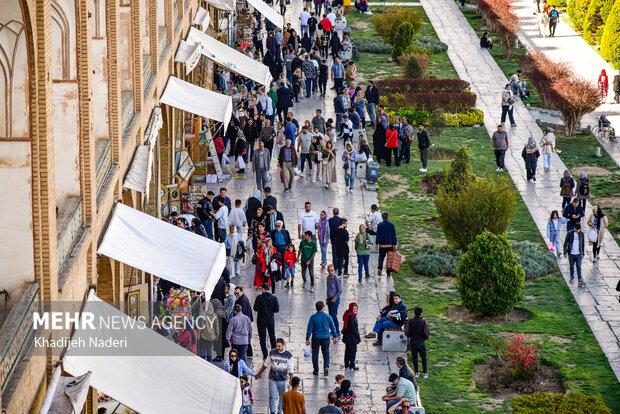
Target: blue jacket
(241, 367)
(552, 230)
(401, 317)
(319, 326)
(386, 233)
(338, 105)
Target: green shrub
(459, 174)
(571, 403)
(611, 36)
(480, 205)
(489, 278)
(387, 22)
(534, 260)
(434, 264)
(557, 3)
(428, 46)
(412, 69)
(472, 117)
(577, 10)
(402, 40)
(373, 46)
(595, 19)
(414, 117)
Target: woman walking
(583, 189)
(597, 221)
(548, 147)
(554, 225)
(350, 336)
(324, 236)
(349, 157)
(362, 248)
(316, 156)
(237, 366)
(263, 260)
(329, 164)
(530, 155)
(566, 188)
(296, 84)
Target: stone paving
(569, 47)
(296, 306)
(598, 301)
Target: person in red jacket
(326, 25)
(391, 138)
(263, 259)
(188, 339)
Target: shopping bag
(308, 354)
(592, 235)
(281, 176)
(241, 162)
(393, 260)
(268, 177)
(551, 246)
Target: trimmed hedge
(611, 37)
(595, 18)
(373, 46)
(571, 403)
(557, 3)
(534, 260)
(390, 86)
(452, 102)
(472, 117)
(577, 10)
(428, 46)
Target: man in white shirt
(308, 221)
(303, 147)
(237, 217)
(372, 222)
(332, 17)
(304, 16)
(222, 221)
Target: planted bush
(573, 403)
(523, 356)
(610, 40)
(595, 18)
(577, 10)
(390, 86)
(489, 277)
(501, 18)
(431, 260)
(472, 117)
(413, 69)
(373, 46)
(459, 174)
(402, 40)
(475, 207)
(543, 72)
(574, 98)
(428, 46)
(534, 260)
(414, 117)
(387, 22)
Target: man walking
(318, 122)
(308, 221)
(307, 251)
(239, 332)
(417, 331)
(334, 290)
(281, 369)
(338, 74)
(407, 138)
(221, 218)
(246, 309)
(508, 100)
(500, 145)
(386, 239)
(319, 327)
(424, 142)
(266, 136)
(372, 96)
(206, 214)
(616, 87)
(266, 306)
(339, 108)
(288, 160)
(294, 401)
(260, 165)
(574, 248)
(573, 212)
(334, 222)
(303, 147)
(341, 239)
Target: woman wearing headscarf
(378, 141)
(345, 397)
(349, 156)
(260, 235)
(598, 221)
(316, 158)
(583, 189)
(350, 336)
(263, 259)
(603, 83)
(362, 248)
(530, 155)
(198, 228)
(252, 205)
(208, 330)
(323, 236)
(567, 183)
(329, 164)
(236, 366)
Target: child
(290, 257)
(235, 251)
(246, 395)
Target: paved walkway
(296, 306)
(569, 47)
(598, 301)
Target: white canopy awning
(150, 374)
(65, 394)
(139, 176)
(200, 101)
(229, 58)
(271, 14)
(189, 54)
(202, 19)
(164, 250)
(228, 5)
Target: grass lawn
(578, 153)
(509, 67)
(455, 346)
(380, 66)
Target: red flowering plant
(523, 356)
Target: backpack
(584, 189)
(566, 187)
(554, 16)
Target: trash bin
(372, 172)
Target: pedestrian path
(598, 301)
(569, 47)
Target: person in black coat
(530, 155)
(252, 205)
(378, 142)
(306, 43)
(250, 131)
(266, 306)
(270, 62)
(285, 100)
(335, 44)
(341, 240)
(269, 199)
(350, 336)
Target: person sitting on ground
(486, 41)
(361, 6)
